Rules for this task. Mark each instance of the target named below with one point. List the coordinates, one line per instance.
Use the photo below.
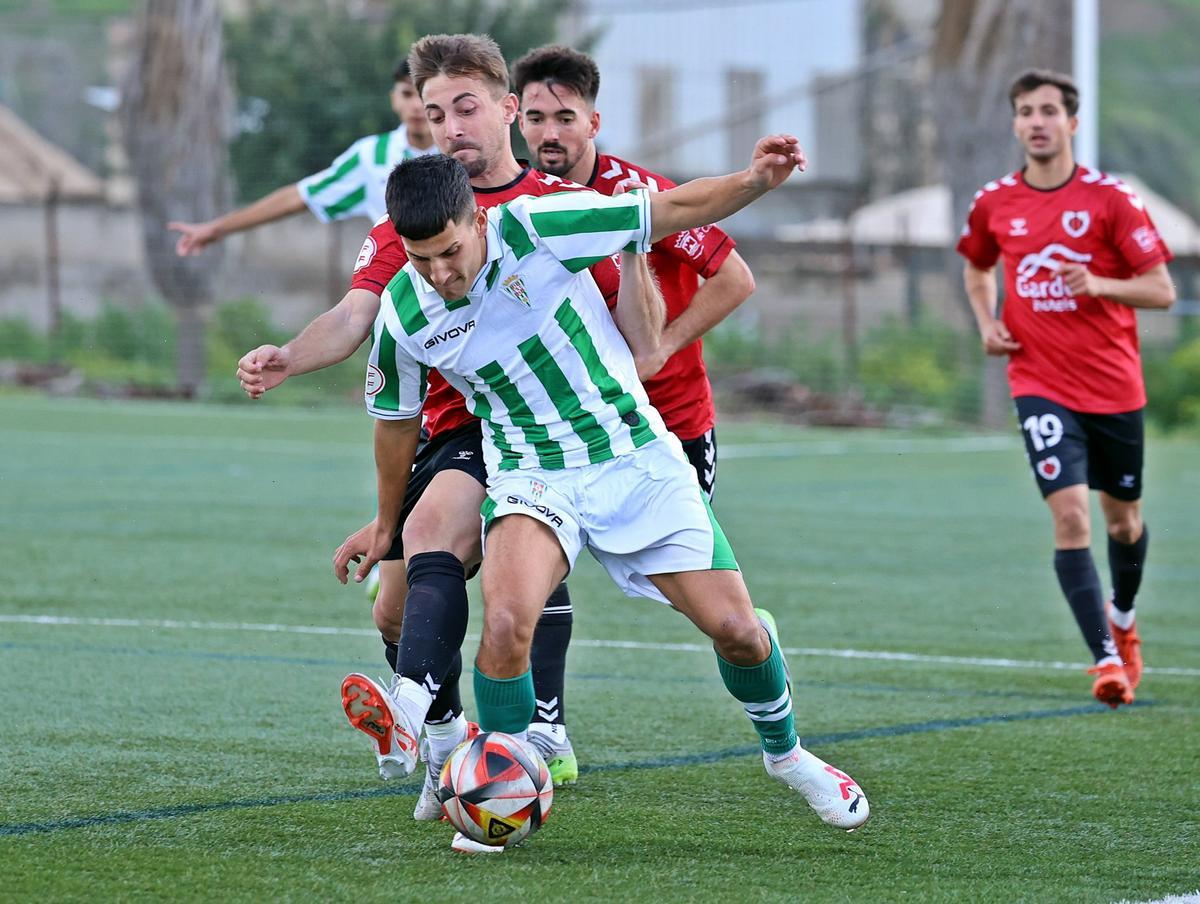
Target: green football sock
(505, 704)
(764, 693)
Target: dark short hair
(556, 64)
(469, 56)
(402, 73)
(426, 193)
(1032, 79)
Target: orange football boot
(1111, 685)
(1129, 645)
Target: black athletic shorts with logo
(1067, 447)
(701, 452)
(460, 449)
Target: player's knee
(742, 640)
(426, 531)
(1073, 526)
(507, 634)
(1126, 530)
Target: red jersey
(1079, 351)
(382, 256)
(680, 391)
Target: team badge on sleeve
(366, 254)
(375, 380)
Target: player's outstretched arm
(195, 237)
(330, 339)
(981, 292)
(704, 201)
(1152, 289)
(395, 450)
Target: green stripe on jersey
(514, 233)
(340, 172)
(381, 146)
(388, 398)
(351, 200)
(610, 389)
(488, 511)
(406, 303)
(548, 451)
(723, 558)
(575, 264)
(595, 219)
(509, 460)
(565, 399)
(457, 303)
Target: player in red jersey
(469, 112)
(558, 86)
(1080, 256)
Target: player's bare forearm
(704, 201)
(732, 284)
(335, 335)
(640, 311)
(395, 450)
(1152, 289)
(980, 286)
(283, 202)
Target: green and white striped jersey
(532, 347)
(353, 185)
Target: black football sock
(435, 620)
(447, 702)
(548, 657)
(391, 650)
(1125, 564)
(1081, 586)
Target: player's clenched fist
(262, 369)
(775, 156)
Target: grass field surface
(172, 641)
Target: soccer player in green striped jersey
(501, 303)
(351, 186)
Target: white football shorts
(638, 514)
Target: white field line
(1190, 898)
(909, 446)
(823, 652)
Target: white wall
(790, 40)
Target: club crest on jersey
(1076, 222)
(514, 287)
(537, 489)
(375, 380)
(1049, 467)
(1018, 226)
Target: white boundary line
(823, 652)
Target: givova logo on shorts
(552, 516)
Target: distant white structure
(687, 86)
(921, 217)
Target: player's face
(558, 125)
(1041, 123)
(469, 122)
(450, 260)
(408, 107)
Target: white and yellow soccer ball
(496, 789)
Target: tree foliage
(312, 79)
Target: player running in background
(351, 186)
(438, 534)
(1080, 256)
(557, 87)
(576, 454)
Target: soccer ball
(496, 789)
(371, 584)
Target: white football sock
(1123, 620)
(413, 700)
(445, 736)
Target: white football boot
(370, 708)
(834, 796)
